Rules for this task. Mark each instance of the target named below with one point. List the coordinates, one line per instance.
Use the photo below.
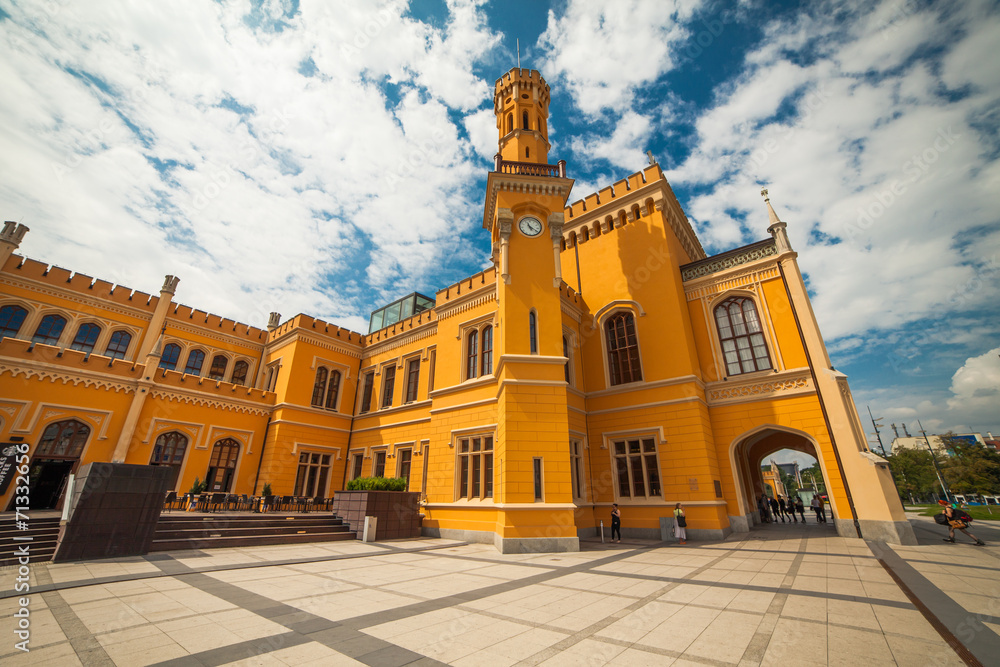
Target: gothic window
(576, 468)
(524, 120)
(566, 354)
(637, 468)
(222, 465)
(388, 385)
(510, 123)
(11, 319)
(475, 467)
(49, 330)
(471, 354)
(487, 360)
(168, 450)
(240, 371)
(533, 332)
(319, 387)
(63, 439)
(171, 354)
(314, 470)
(412, 379)
(86, 336)
(332, 389)
(196, 358)
(741, 336)
(218, 369)
(118, 345)
(623, 349)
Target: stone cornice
(95, 303)
(711, 266)
(222, 336)
(536, 185)
(401, 340)
(209, 400)
(736, 278)
(478, 297)
(760, 387)
(298, 334)
(87, 379)
(641, 386)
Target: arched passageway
(751, 450)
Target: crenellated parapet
(201, 321)
(62, 282)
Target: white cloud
(291, 192)
(976, 388)
(603, 50)
(623, 148)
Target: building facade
(603, 358)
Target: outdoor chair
(169, 500)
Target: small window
(319, 387)
(566, 354)
(623, 349)
(388, 385)
(741, 336)
(366, 393)
(86, 336)
(404, 459)
(524, 120)
(537, 478)
(332, 390)
(378, 465)
(196, 359)
(576, 468)
(49, 330)
(637, 468)
(118, 345)
(487, 360)
(533, 332)
(11, 319)
(357, 464)
(430, 371)
(475, 467)
(240, 370)
(472, 354)
(412, 379)
(171, 354)
(218, 369)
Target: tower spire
(776, 226)
(772, 217)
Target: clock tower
(525, 199)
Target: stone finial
(170, 284)
(777, 227)
(13, 233)
(273, 321)
(772, 217)
(649, 156)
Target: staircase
(43, 532)
(182, 530)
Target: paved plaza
(780, 595)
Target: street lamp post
(944, 487)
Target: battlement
(519, 81)
(61, 278)
(464, 286)
(519, 75)
(628, 184)
(314, 325)
(216, 323)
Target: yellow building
(604, 358)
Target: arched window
(171, 354)
(332, 390)
(623, 349)
(218, 369)
(472, 354)
(63, 439)
(49, 330)
(240, 371)
(527, 152)
(222, 465)
(118, 345)
(533, 332)
(319, 387)
(11, 319)
(169, 451)
(86, 336)
(510, 123)
(741, 336)
(487, 362)
(524, 120)
(195, 360)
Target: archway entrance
(222, 465)
(750, 455)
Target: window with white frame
(378, 463)
(404, 461)
(388, 385)
(623, 349)
(637, 467)
(576, 468)
(741, 336)
(313, 473)
(357, 464)
(366, 392)
(412, 379)
(475, 466)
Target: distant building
(792, 470)
(773, 486)
(935, 441)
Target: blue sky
(328, 157)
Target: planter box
(398, 512)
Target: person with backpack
(959, 519)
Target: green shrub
(267, 490)
(377, 484)
(198, 486)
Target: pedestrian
(815, 504)
(785, 508)
(765, 514)
(800, 508)
(959, 519)
(776, 510)
(680, 524)
(616, 522)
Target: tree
(814, 474)
(791, 486)
(913, 471)
(971, 468)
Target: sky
(329, 157)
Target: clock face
(530, 226)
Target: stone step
(248, 541)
